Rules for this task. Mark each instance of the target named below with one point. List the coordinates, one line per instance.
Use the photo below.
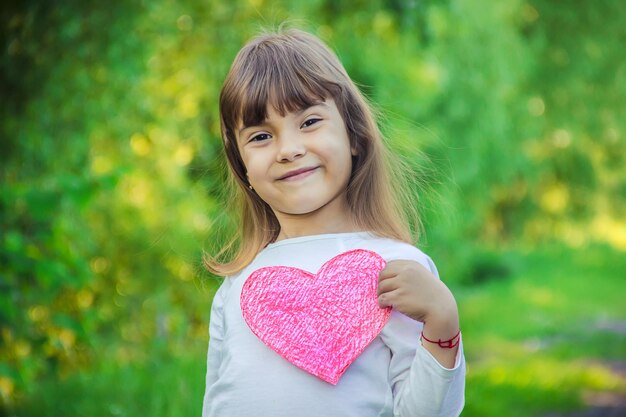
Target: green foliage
(510, 114)
(163, 386)
(546, 338)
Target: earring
(250, 187)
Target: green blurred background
(511, 112)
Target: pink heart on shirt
(319, 322)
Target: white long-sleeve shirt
(394, 376)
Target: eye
(260, 137)
(310, 122)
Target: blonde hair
(291, 70)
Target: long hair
(291, 70)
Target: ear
(353, 151)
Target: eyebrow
(298, 112)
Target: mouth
(297, 174)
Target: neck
(308, 230)
(315, 223)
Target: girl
(307, 162)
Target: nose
(290, 148)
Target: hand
(413, 290)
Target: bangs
(276, 75)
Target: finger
(387, 299)
(390, 271)
(387, 286)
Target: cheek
(255, 167)
(340, 152)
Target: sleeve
(216, 338)
(421, 386)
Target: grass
(165, 387)
(545, 338)
(538, 341)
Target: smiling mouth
(298, 174)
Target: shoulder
(224, 287)
(391, 250)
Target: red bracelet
(445, 344)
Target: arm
(427, 380)
(216, 338)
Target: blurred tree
(510, 113)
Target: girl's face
(300, 163)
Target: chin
(300, 212)
(300, 209)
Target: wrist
(450, 343)
(442, 334)
(444, 313)
(442, 325)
